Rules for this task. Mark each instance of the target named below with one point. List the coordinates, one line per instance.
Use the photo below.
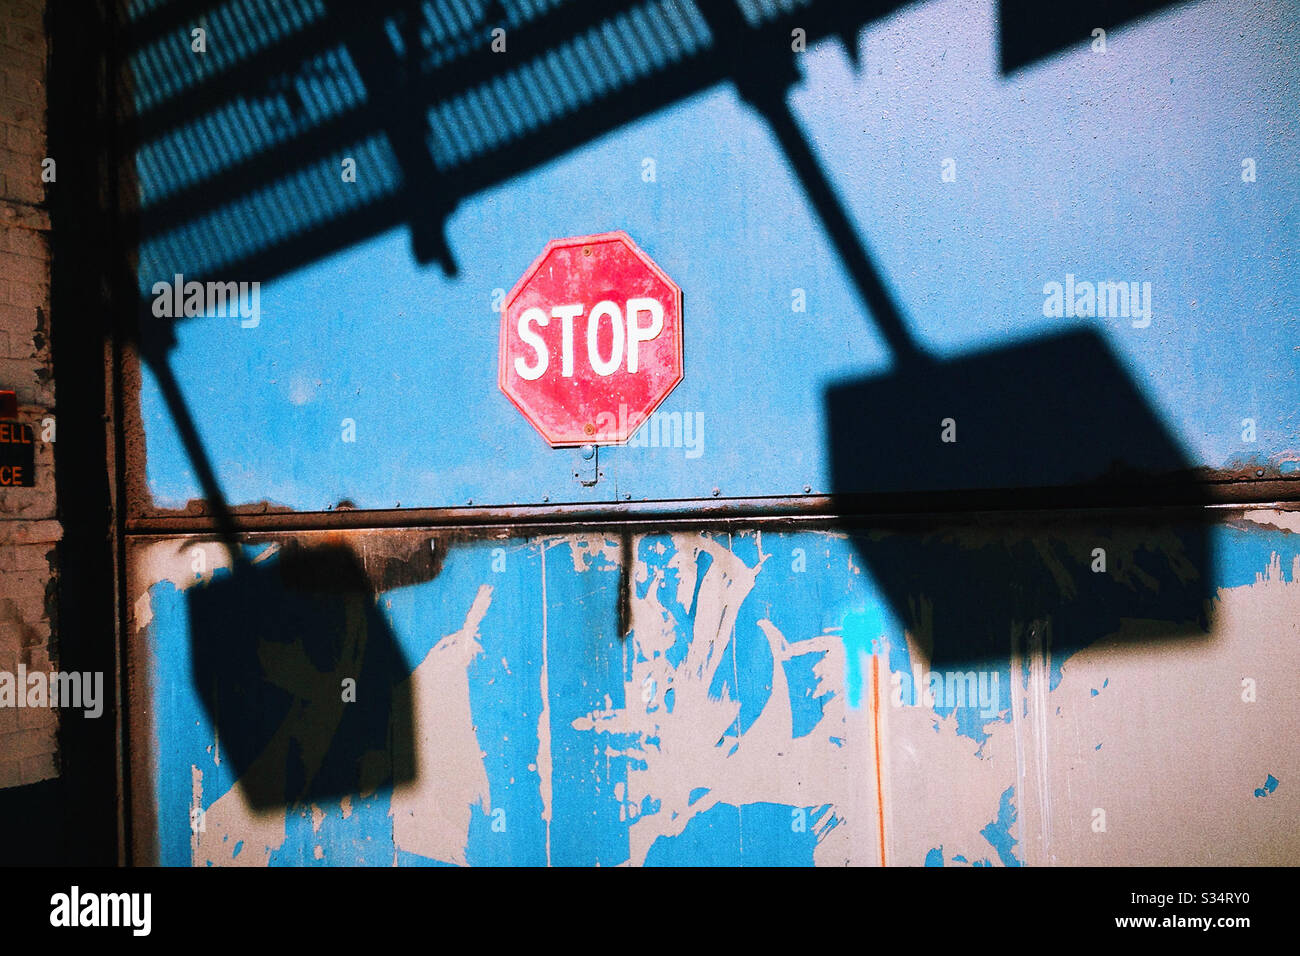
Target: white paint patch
(1182, 752)
(230, 821)
(176, 561)
(586, 547)
(303, 388)
(432, 814)
(1281, 520)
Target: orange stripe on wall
(875, 731)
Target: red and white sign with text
(591, 340)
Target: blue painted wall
(1125, 165)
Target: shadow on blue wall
(302, 676)
(1057, 418)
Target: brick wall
(29, 529)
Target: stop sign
(591, 340)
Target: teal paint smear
(365, 838)
(801, 606)
(744, 675)
(648, 553)
(860, 629)
(806, 711)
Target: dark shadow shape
(1056, 430)
(271, 645)
(677, 50)
(1051, 424)
(1030, 30)
(969, 589)
(1054, 422)
(1051, 412)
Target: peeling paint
(431, 816)
(751, 713)
(699, 748)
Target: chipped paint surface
(773, 702)
(431, 817)
(689, 749)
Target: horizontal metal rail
(808, 510)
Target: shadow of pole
(296, 667)
(1054, 423)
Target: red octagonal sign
(591, 340)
